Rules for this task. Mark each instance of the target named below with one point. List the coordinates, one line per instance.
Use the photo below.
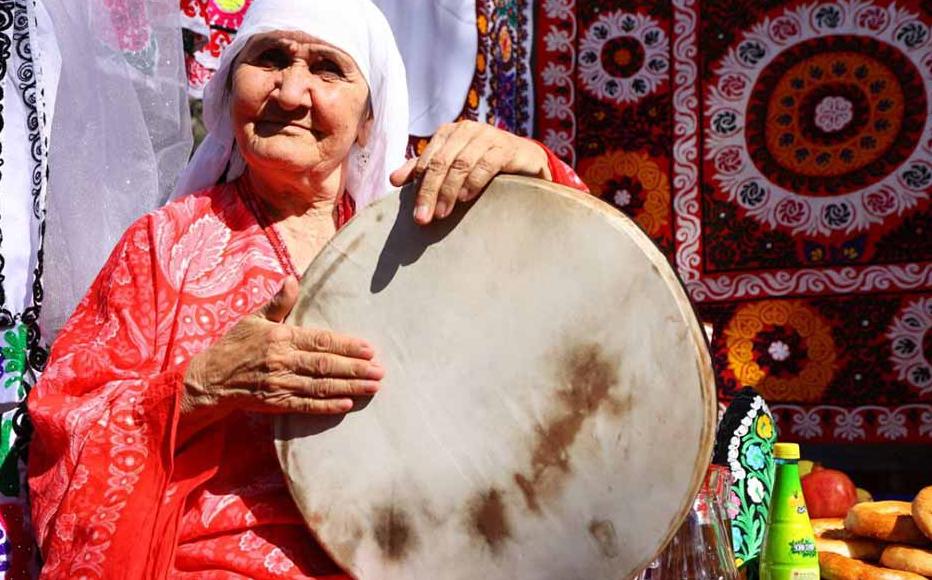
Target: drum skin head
(548, 407)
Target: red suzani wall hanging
(795, 143)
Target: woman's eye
(274, 57)
(327, 68)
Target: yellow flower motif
(819, 367)
(483, 24)
(230, 6)
(473, 98)
(764, 427)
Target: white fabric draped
(438, 41)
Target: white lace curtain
(120, 136)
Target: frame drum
(549, 403)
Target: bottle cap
(786, 451)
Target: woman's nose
(295, 89)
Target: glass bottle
(700, 549)
(788, 551)
(720, 480)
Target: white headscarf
(356, 27)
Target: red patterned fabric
(814, 258)
(781, 155)
(562, 173)
(112, 488)
(114, 491)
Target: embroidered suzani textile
(780, 153)
(814, 172)
(23, 147)
(209, 26)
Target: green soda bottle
(788, 551)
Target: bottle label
(803, 547)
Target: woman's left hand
(461, 159)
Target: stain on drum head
(548, 405)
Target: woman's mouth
(269, 127)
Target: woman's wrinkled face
(298, 104)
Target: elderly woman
(153, 454)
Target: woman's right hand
(263, 365)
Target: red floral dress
(114, 491)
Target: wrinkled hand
(264, 365)
(460, 160)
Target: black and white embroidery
(16, 51)
(26, 82)
(6, 42)
(36, 353)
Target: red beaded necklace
(344, 210)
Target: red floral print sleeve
(104, 414)
(115, 492)
(561, 172)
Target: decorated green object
(789, 551)
(744, 443)
(21, 357)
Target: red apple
(829, 493)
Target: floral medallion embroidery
(911, 345)
(632, 182)
(784, 349)
(818, 119)
(623, 57)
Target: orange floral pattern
(817, 363)
(604, 173)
